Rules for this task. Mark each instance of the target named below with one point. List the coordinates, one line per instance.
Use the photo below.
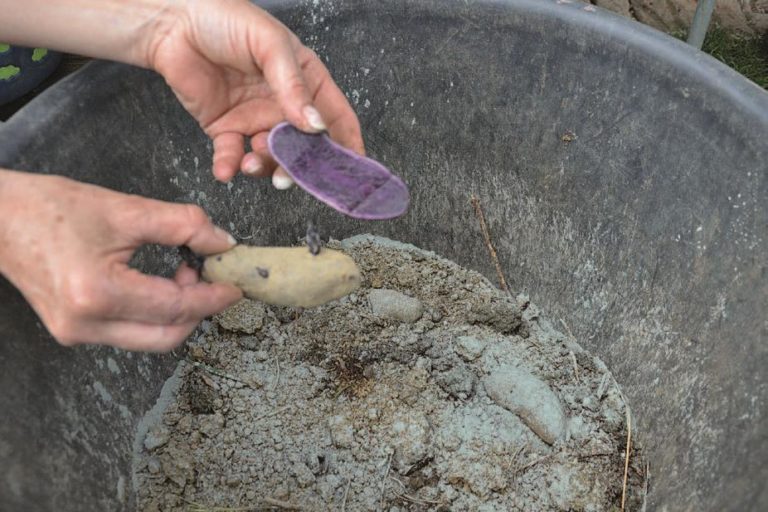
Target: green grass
(747, 55)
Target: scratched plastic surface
(352, 184)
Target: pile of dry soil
(428, 389)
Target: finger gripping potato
(285, 276)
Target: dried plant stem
(626, 459)
(487, 237)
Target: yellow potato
(285, 276)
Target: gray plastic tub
(623, 174)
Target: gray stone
(342, 431)
(153, 465)
(577, 429)
(459, 381)
(502, 316)
(519, 391)
(304, 475)
(249, 342)
(394, 305)
(210, 425)
(469, 348)
(412, 435)
(247, 316)
(156, 438)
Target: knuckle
(170, 341)
(64, 331)
(129, 212)
(269, 40)
(195, 216)
(307, 55)
(82, 297)
(176, 312)
(296, 86)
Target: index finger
(156, 300)
(343, 124)
(285, 77)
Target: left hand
(239, 71)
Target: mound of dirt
(427, 389)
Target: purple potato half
(355, 185)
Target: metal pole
(700, 22)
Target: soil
(427, 389)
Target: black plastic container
(624, 176)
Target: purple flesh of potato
(352, 184)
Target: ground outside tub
(622, 173)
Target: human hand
(239, 72)
(66, 246)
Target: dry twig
(272, 502)
(489, 245)
(533, 463)
(413, 499)
(277, 377)
(518, 452)
(575, 367)
(598, 454)
(272, 413)
(218, 373)
(346, 493)
(285, 505)
(420, 501)
(384, 482)
(601, 387)
(567, 328)
(645, 485)
(626, 459)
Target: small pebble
(156, 438)
(411, 434)
(304, 475)
(247, 316)
(393, 305)
(211, 424)
(519, 391)
(589, 403)
(469, 348)
(249, 342)
(153, 465)
(342, 431)
(458, 381)
(577, 429)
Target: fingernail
(253, 166)
(224, 234)
(314, 119)
(281, 181)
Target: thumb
(285, 77)
(178, 224)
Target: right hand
(239, 72)
(66, 246)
